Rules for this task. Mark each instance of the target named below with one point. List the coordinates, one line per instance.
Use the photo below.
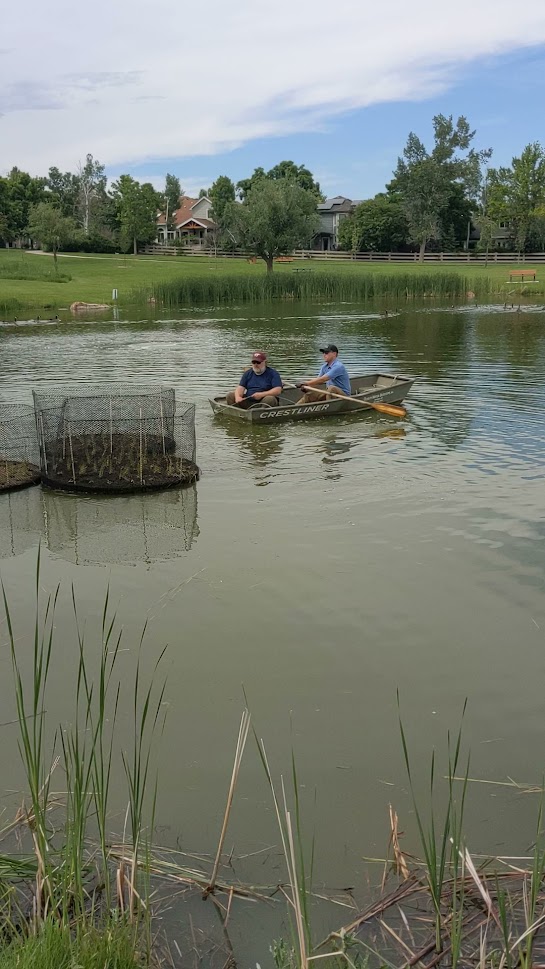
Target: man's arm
(273, 392)
(240, 393)
(316, 381)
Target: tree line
(436, 198)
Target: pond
(319, 566)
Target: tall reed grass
(361, 285)
(9, 308)
(78, 886)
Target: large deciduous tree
(20, 191)
(48, 226)
(428, 182)
(284, 171)
(63, 191)
(91, 192)
(376, 225)
(276, 217)
(517, 193)
(136, 206)
(221, 194)
(172, 197)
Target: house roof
(184, 213)
(337, 204)
(193, 220)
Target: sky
(205, 89)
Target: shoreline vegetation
(28, 282)
(74, 894)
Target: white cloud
(131, 81)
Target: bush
(91, 243)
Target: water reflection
(259, 446)
(21, 521)
(125, 530)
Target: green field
(92, 278)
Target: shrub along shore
(28, 280)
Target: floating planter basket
(19, 464)
(119, 440)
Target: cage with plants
(19, 464)
(118, 439)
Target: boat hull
(375, 388)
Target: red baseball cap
(259, 357)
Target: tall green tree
(517, 193)
(298, 174)
(20, 191)
(172, 197)
(426, 181)
(63, 191)
(136, 206)
(376, 225)
(221, 194)
(284, 171)
(277, 216)
(91, 193)
(48, 226)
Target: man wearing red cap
(258, 385)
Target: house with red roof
(191, 224)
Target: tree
(172, 197)
(427, 182)
(300, 175)
(285, 171)
(376, 225)
(221, 194)
(63, 191)
(136, 208)
(91, 191)
(276, 217)
(517, 194)
(20, 192)
(50, 227)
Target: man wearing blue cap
(333, 377)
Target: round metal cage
(19, 463)
(118, 440)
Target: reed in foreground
(70, 890)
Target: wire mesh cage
(19, 464)
(116, 440)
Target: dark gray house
(331, 213)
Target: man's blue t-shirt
(338, 376)
(257, 383)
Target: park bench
(522, 274)
(283, 259)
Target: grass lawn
(94, 277)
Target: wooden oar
(391, 409)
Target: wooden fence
(477, 258)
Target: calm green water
(321, 565)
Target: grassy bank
(27, 279)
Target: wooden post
(162, 427)
(141, 456)
(111, 429)
(43, 442)
(72, 454)
(7, 473)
